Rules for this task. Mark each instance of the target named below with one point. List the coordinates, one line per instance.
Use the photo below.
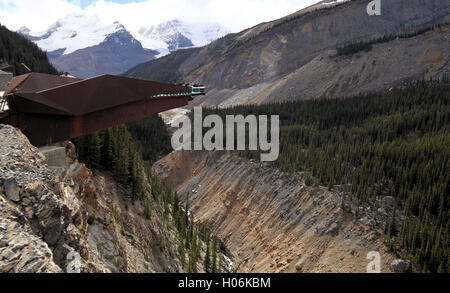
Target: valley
(270, 221)
(363, 105)
(346, 154)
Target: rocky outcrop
(49, 215)
(20, 250)
(270, 221)
(399, 265)
(292, 58)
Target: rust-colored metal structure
(50, 109)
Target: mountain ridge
(80, 43)
(271, 61)
(118, 51)
(175, 34)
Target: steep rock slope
(268, 220)
(384, 66)
(46, 213)
(293, 57)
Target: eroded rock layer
(271, 221)
(48, 213)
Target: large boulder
(11, 189)
(399, 265)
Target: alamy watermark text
(235, 133)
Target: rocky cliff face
(47, 213)
(292, 58)
(268, 220)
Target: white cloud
(37, 15)
(235, 15)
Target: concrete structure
(5, 78)
(56, 156)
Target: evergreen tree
(93, 151)
(214, 256)
(147, 210)
(108, 149)
(207, 263)
(392, 143)
(15, 49)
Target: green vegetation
(207, 263)
(152, 134)
(163, 69)
(147, 210)
(395, 143)
(119, 151)
(191, 236)
(114, 149)
(91, 220)
(123, 150)
(16, 49)
(354, 48)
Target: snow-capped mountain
(331, 2)
(116, 54)
(85, 46)
(74, 32)
(175, 34)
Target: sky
(235, 15)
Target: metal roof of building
(50, 108)
(60, 95)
